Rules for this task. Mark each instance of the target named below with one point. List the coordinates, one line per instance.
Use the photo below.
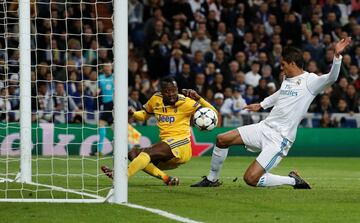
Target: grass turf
(334, 198)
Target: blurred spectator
(200, 43)
(133, 101)
(292, 23)
(240, 57)
(252, 77)
(228, 46)
(210, 72)
(231, 71)
(250, 96)
(210, 55)
(312, 67)
(176, 62)
(353, 73)
(315, 48)
(200, 84)
(209, 95)
(198, 65)
(220, 61)
(185, 42)
(64, 107)
(233, 105)
(218, 84)
(185, 80)
(351, 97)
(326, 122)
(240, 82)
(218, 101)
(325, 63)
(340, 89)
(324, 105)
(342, 106)
(5, 105)
(262, 90)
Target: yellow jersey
(173, 120)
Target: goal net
(71, 105)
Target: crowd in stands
(229, 51)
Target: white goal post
(52, 171)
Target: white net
(71, 80)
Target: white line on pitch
(308, 178)
(162, 213)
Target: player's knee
(251, 179)
(133, 154)
(221, 141)
(153, 153)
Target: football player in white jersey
(274, 136)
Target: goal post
(121, 96)
(25, 90)
(55, 155)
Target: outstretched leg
(220, 151)
(142, 159)
(257, 174)
(151, 168)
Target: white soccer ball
(205, 119)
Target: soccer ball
(205, 119)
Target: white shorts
(261, 138)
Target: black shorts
(106, 113)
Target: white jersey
(293, 99)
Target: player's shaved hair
(164, 82)
(293, 54)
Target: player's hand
(191, 94)
(341, 45)
(253, 107)
(130, 112)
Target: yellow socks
(139, 163)
(156, 172)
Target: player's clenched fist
(191, 94)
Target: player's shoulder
(182, 97)
(311, 76)
(157, 95)
(156, 98)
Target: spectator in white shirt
(252, 77)
(234, 105)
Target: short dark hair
(167, 80)
(293, 54)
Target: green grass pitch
(335, 196)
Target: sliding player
(173, 112)
(274, 136)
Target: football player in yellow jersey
(173, 112)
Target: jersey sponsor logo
(288, 92)
(165, 118)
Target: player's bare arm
(253, 107)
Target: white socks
(270, 180)
(217, 159)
